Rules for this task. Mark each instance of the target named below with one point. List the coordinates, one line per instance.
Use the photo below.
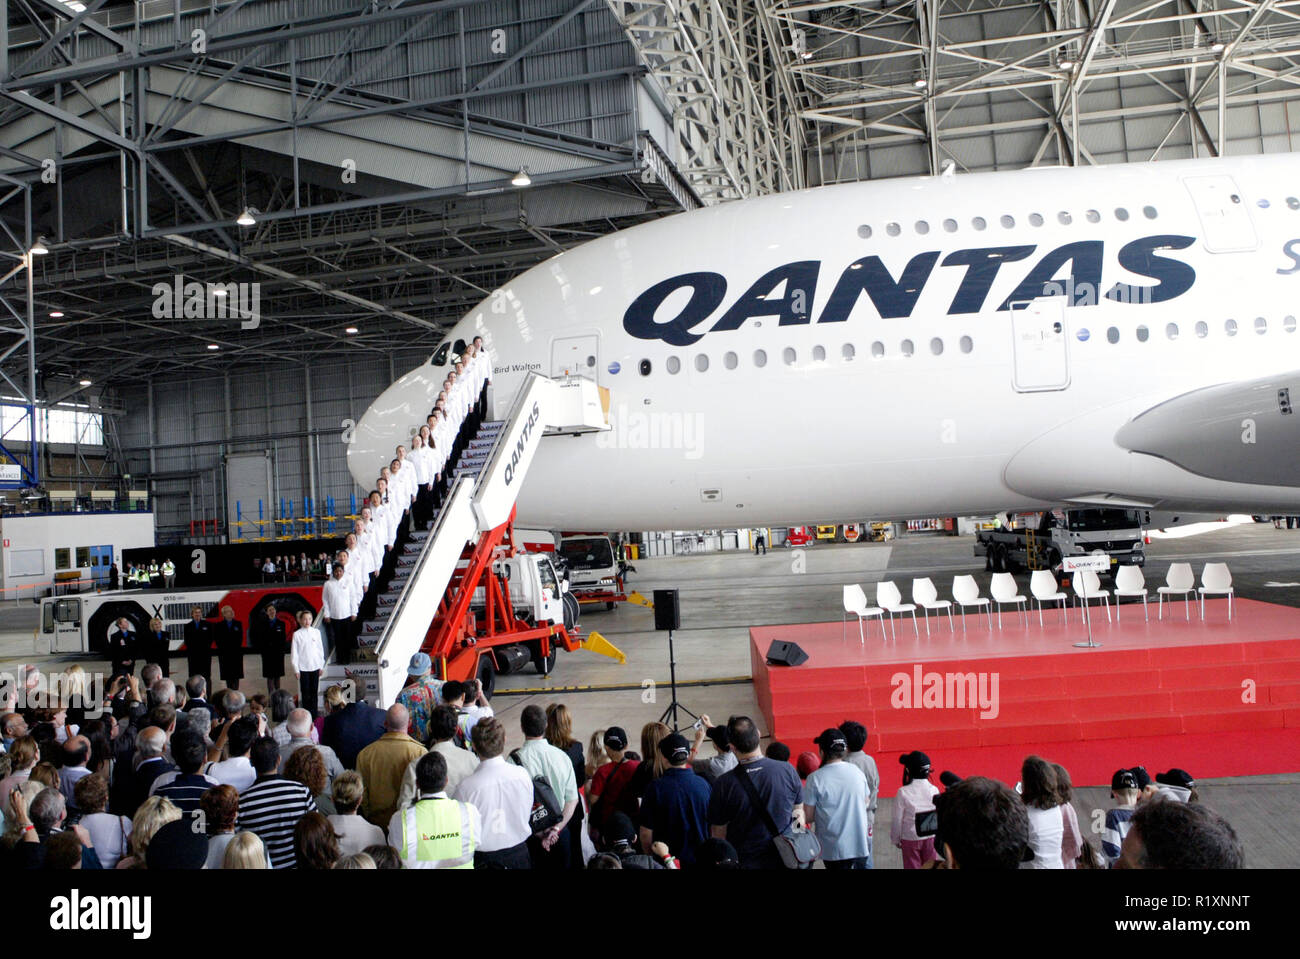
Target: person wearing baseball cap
(916, 796)
(675, 807)
(714, 766)
(835, 800)
(1125, 790)
(1177, 784)
(421, 695)
(609, 792)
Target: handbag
(798, 848)
(546, 808)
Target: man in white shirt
(238, 770)
(503, 794)
(308, 656)
(337, 614)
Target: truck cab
(593, 567)
(61, 629)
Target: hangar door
(576, 356)
(1040, 347)
(248, 483)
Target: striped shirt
(184, 791)
(271, 807)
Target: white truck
(595, 573)
(1042, 540)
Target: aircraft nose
(398, 412)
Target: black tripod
(674, 706)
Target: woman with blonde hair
(358, 860)
(559, 733)
(246, 851)
(652, 762)
(72, 697)
(596, 755)
(154, 813)
(158, 647)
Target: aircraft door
(1224, 215)
(1040, 347)
(576, 356)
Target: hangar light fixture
(1066, 64)
(84, 381)
(920, 84)
(246, 218)
(218, 290)
(351, 331)
(213, 346)
(1216, 48)
(56, 314)
(39, 248)
(522, 178)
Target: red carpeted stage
(1215, 698)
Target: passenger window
(819, 354)
(848, 352)
(864, 232)
(1202, 329)
(950, 225)
(439, 357)
(1230, 327)
(701, 362)
(644, 367)
(877, 350)
(1092, 216)
(936, 346)
(893, 229)
(922, 227)
(760, 358)
(1171, 331)
(1035, 219)
(1261, 325)
(1064, 218)
(1121, 214)
(967, 344)
(978, 223)
(729, 360)
(1293, 203)
(1288, 324)
(1149, 212)
(1008, 222)
(673, 365)
(907, 348)
(1112, 335)
(788, 356)
(1143, 334)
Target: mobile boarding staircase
(427, 604)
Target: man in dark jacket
(198, 644)
(350, 726)
(229, 635)
(266, 635)
(130, 787)
(122, 648)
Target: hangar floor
(722, 595)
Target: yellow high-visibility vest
(438, 831)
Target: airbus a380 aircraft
(949, 345)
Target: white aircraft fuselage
(915, 347)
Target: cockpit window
(439, 357)
(458, 347)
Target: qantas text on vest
(78, 913)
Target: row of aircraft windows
(1008, 222)
(790, 356)
(848, 352)
(1202, 329)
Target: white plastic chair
(891, 600)
(1087, 587)
(1179, 581)
(1215, 581)
(965, 593)
(1004, 590)
(1129, 581)
(926, 596)
(855, 601)
(1043, 588)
